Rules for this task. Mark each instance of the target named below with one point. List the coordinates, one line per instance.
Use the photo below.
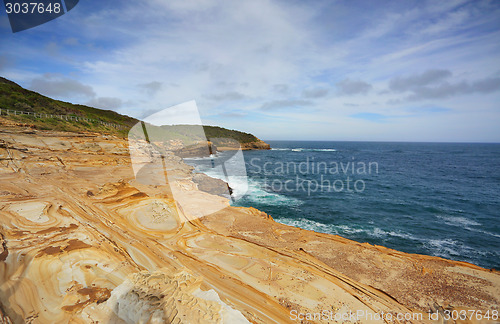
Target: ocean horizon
(438, 199)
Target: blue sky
(312, 70)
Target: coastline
(96, 232)
(258, 145)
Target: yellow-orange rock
(83, 242)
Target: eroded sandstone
(83, 241)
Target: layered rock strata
(83, 241)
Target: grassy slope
(213, 132)
(14, 97)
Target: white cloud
(244, 58)
(3, 62)
(105, 103)
(58, 86)
(353, 87)
(227, 96)
(317, 92)
(151, 87)
(285, 104)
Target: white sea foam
(488, 233)
(237, 183)
(202, 158)
(300, 149)
(252, 190)
(446, 248)
(344, 229)
(380, 233)
(439, 246)
(458, 221)
(450, 249)
(258, 194)
(308, 224)
(313, 150)
(466, 223)
(311, 225)
(322, 150)
(443, 247)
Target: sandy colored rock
(83, 241)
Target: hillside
(15, 97)
(222, 138)
(213, 132)
(80, 118)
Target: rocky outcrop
(166, 297)
(227, 144)
(84, 241)
(204, 149)
(211, 185)
(196, 150)
(260, 145)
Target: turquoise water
(427, 198)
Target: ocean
(440, 199)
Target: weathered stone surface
(211, 185)
(83, 241)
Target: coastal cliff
(22, 107)
(206, 148)
(189, 141)
(257, 145)
(83, 241)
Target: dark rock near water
(197, 150)
(211, 185)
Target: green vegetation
(219, 132)
(211, 132)
(191, 134)
(14, 97)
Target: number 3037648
(32, 7)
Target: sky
(282, 70)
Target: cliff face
(257, 145)
(261, 145)
(82, 241)
(21, 106)
(203, 149)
